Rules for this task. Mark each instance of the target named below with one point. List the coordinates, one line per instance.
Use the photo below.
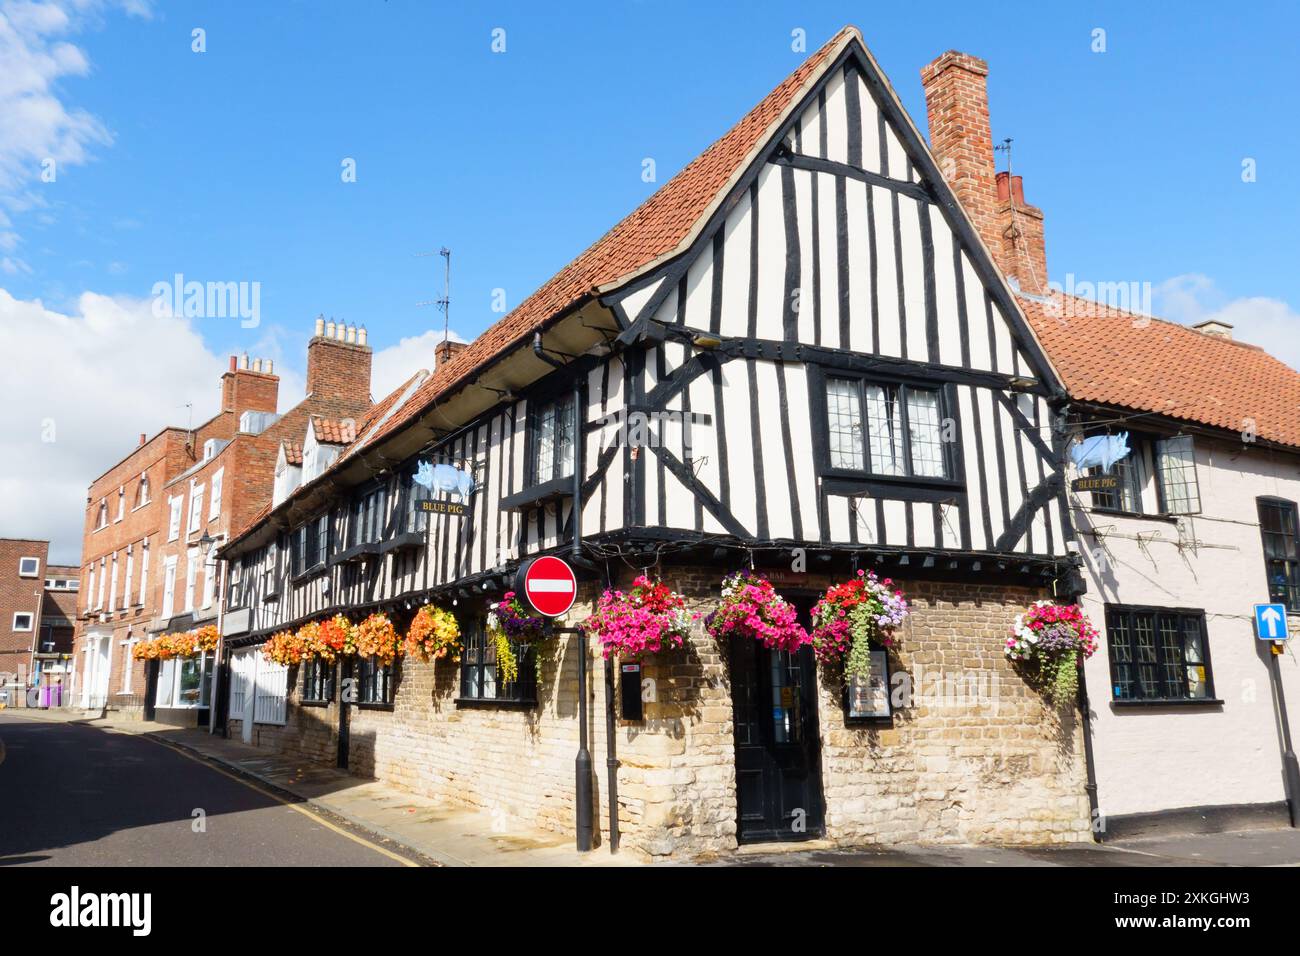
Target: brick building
(154, 520)
(37, 607)
(22, 586)
(52, 657)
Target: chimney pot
(329, 329)
(361, 335)
(142, 438)
(234, 363)
(244, 362)
(257, 365)
(270, 366)
(320, 325)
(352, 335)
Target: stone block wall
(974, 756)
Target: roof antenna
(444, 303)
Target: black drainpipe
(582, 765)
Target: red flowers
(643, 620)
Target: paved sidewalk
(445, 834)
(454, 836)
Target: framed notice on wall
(867, 696)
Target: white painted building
(1202, 527)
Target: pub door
(778, 759)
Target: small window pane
(1176, 465)
(924, 429)
(844, 413)
(885, 430)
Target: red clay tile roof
(334, 431)
(292, 452)
(1112, 357)
(653, 229)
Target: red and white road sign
(550, 586)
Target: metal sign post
(549, 585)
(1271, 625)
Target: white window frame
(196, 509)
(169, 587)
(121, 503)
(31, 621)
(142, 491)
(174, 516)
(112, 588)
(126, 585)
(169, 677)
(191, 573)
(214, 507)
(35, 572)
(144, 570)
(103, 578)
(209, 581)
(90, 585)
(101, 519)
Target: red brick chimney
(338, 362)
(957, 106)
(445, 351)
(245, 389)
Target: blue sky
(225, 165)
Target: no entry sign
(549, 585)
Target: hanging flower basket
(178, 644)
(434, 633)
(206, 638)
(330, 640)
(751, 608)
(853, 618)
(376, 637)
(1054, 640)
(507, 621)
(643, 620)
(285, 647)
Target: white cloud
(1269, 323)
(97, 378)
(394, 365)
(36, 121)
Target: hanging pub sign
(448, 481)
(1095, 483)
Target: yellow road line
(292, 806)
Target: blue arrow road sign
(1270, 622)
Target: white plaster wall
(1157, 758)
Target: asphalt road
(74, 795)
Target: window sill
(370, 705)
(357, 553)
(493, 702)
(1116, 513)
(315, 571)
(1170, 702)
(538, 494)
(271, 597)
(315, 703)
(406, 541)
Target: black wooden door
(778, 762)
(347, 692)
